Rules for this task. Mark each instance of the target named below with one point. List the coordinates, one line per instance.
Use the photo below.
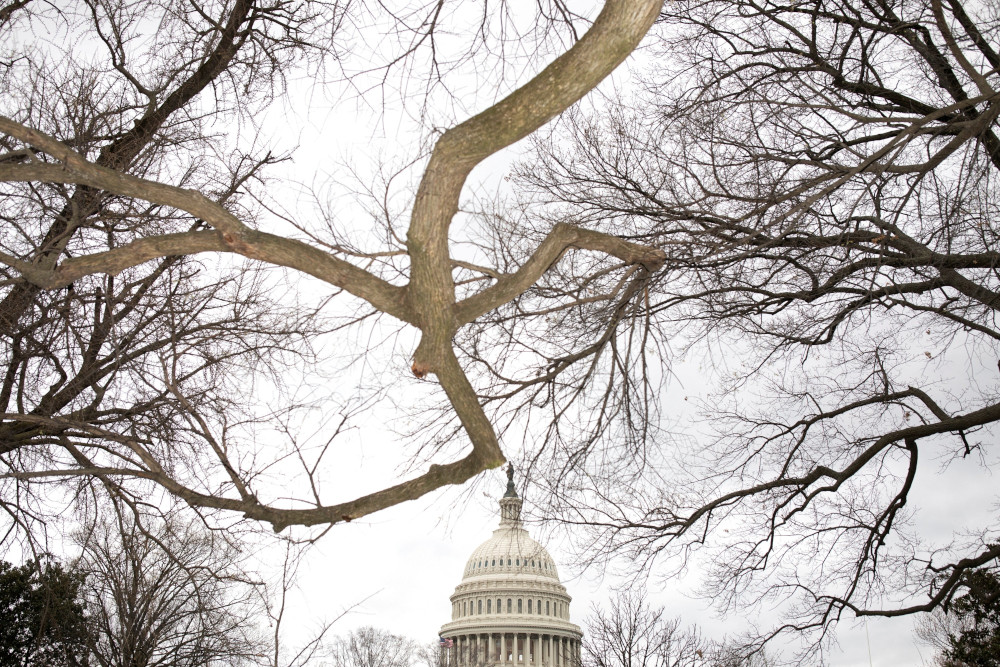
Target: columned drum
(510, 608)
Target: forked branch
(428, 302)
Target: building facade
(510, 607)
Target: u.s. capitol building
(510, 607)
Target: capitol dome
(510, 606)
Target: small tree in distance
(373, 647)
(631, 633)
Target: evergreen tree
(979, 645)
(42, 620)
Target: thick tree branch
(563, 236)
(233, 234)
(615, 33)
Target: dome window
(480, 607)
(547, 608)
(517, 562)
(539, 607)
(508, 606)
(532, 563)
(499, 606)
(489, 606)
(520, 606)
(529, 605)
(508, 562)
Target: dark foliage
(42, 616)
(978, 645)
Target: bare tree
(631, 633)
(735, 655)
(430, 655)
(373, 647)
(173, 594)
(822, 177)
(129, 354)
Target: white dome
(510, 604)
(510, 552)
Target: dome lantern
(510, 504)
